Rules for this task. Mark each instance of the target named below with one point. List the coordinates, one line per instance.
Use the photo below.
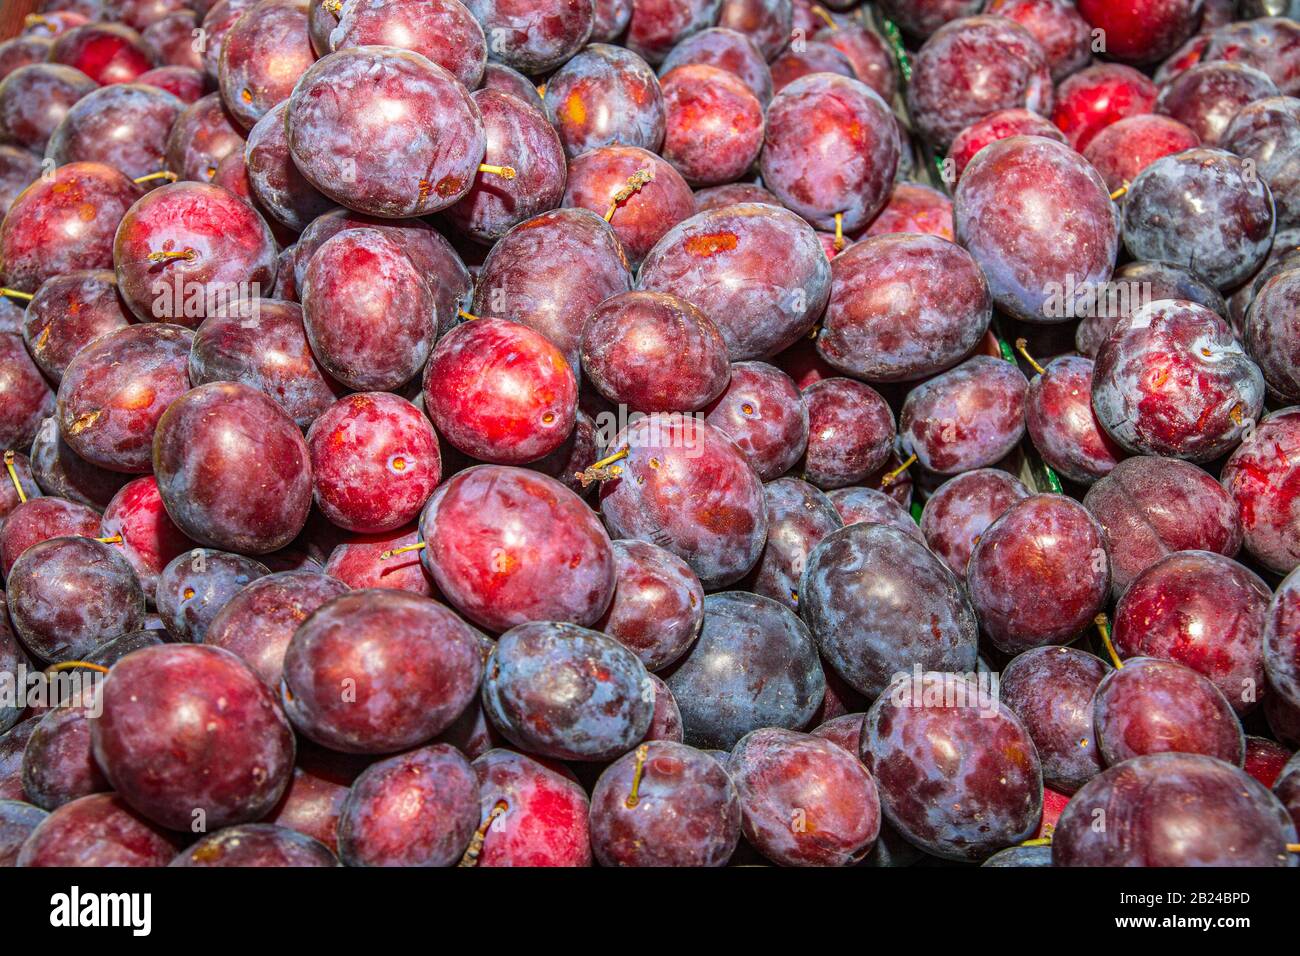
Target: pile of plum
(650, 432)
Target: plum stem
(1293, 847)
(111, 539)
(475, 847)
(892, 476)
(839, 231)
(1041, 841)
(334, 6)
(637, 770)
(166, 174)
(15, 294)
(1119, 192)
(603, 470)
(821, 12)
(541, 89)
(189, 255)
(69, 665)
(394, 552)
(1022, 346)
(467, 316)
(35, 20)
(13, 476)
(505, 172)
(1103, 628)
(638, 179)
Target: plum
(1051, 690)
(189, 250)
(1282, 640)
(659, 25)
(1148, 706)
(148, 745)
(1092, 99)
(444, 31)
(1174, 381)
(1062, 424)
(114, 392)
(1134, 285)
(1039, 221)
(368, 312)
(507, 546)
(1000, 125)
(727, 50)
(804, 801)
(1203, 610)
(550, 272)
(1151, 507)
(1203, 208)
(878, 603)
(195, 586)
(67, 313)
(40, 519)
(203, 135)
(757, 271)
(256, 844)
(136, 521)
(763, 412)
(971, 67)
(658, 604)
(97, 830)
(606, 95)
(1142, 32)
(1039, 574)
(1173, 810)
(665, 804)
(713, 124)
(274, 180)
(562, 691)
(1272, 336)
(375, 462)
(1261, 478)
(850, 432)
(640, 195)
(385, 131)
(754, 665)
(1209, 95)
(914, 208)
(530, 815)
(686, 487)
(419, 808)
(259, 620)
(42, 583)
(378, 671)
(1126, 147)
(903, 307)
(969, 417)
(534, 36)
(521, 138)
(58, 766)
(1063, 34)
(124, 125)
(17, 821)
(921, 18)
(956, 771)
(233, 469)
(830, 151)
(265, 348)
(27, 398)
(64, 222)
(798, 518)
